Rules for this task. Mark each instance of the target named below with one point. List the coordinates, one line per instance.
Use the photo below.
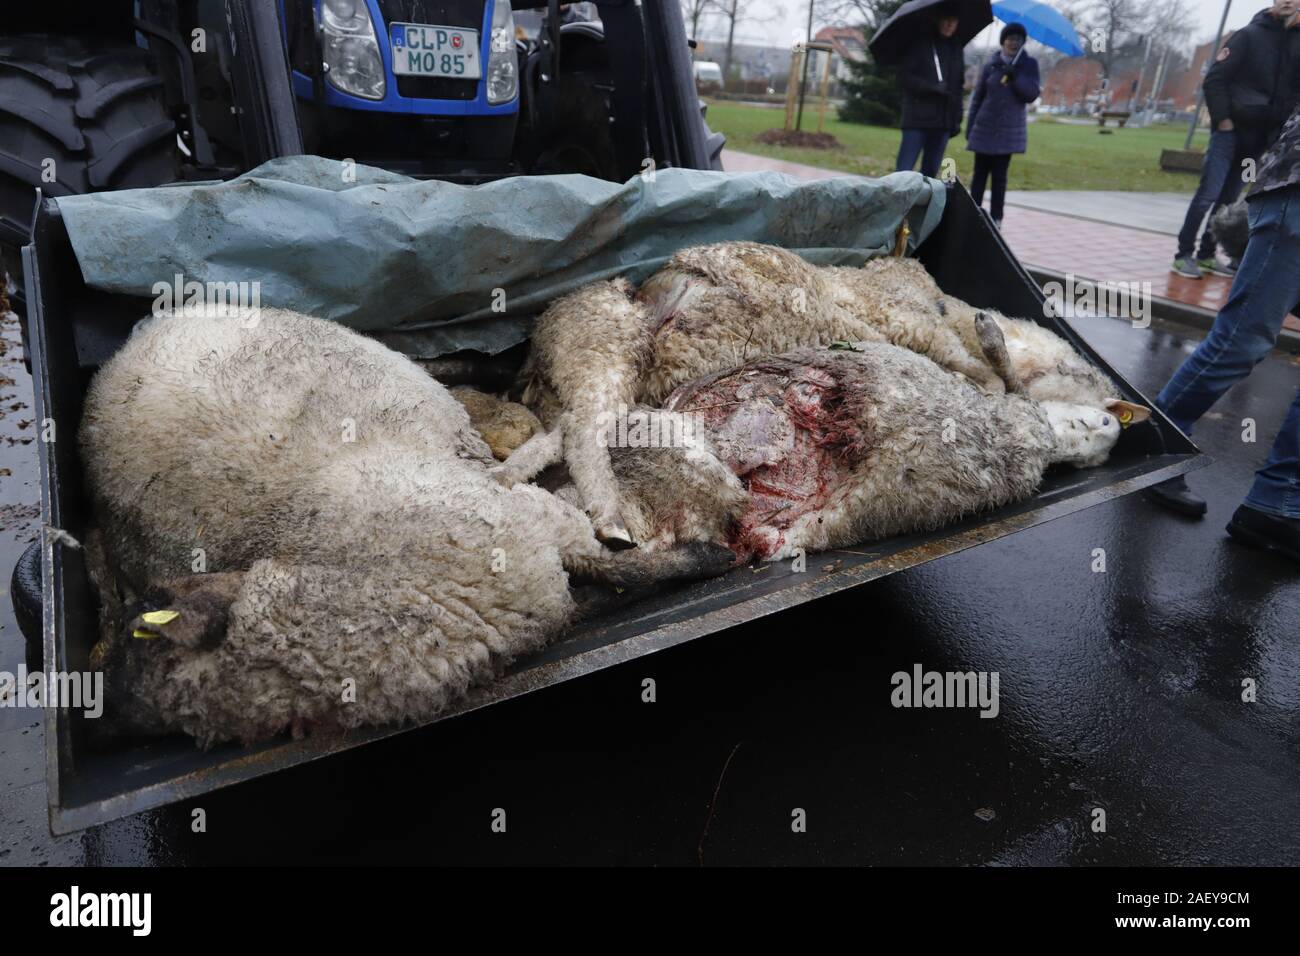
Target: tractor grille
(449, 13)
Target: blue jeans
(1220, 186)
(930, 142)
(1266, 287)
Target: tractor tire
(95, 108)
(25, 593)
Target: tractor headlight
(502, 64)
(352, 61)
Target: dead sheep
(840, 446)
(714, 307)
(299, 528)
(600, 350)
(1049, 368)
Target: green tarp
(434, 267)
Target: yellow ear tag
(144, 635)
(900, 240)
(1125, 416)
(159, 617)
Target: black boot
(1176, 496)
(1269, 532)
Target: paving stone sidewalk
(1097, 236)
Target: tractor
(129, 93)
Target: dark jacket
(928, 102)
(1255, 79)
(1280, 167)
(997, 124)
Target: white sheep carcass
(840, 446)
(712, 308)
(298, 528)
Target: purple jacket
(996, 124)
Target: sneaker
(1267, 532)
(1186, 268)
(1226, 269)
(1214, 267)
(997, 224)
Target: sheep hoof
(614, 535)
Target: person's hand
(1226, 125)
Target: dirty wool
(714, 308)
(841, 446)
(298, 528)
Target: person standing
(1266, 286)
(1250, 89)
(933, 72)
(997, 127)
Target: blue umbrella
(1042, 23)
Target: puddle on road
(20, 493)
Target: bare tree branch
(742, 11)
(693, 11)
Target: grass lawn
(1061, 156)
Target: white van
(708, 76)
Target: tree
(738, 11)
(872, 92)
(1131, 34)
(696, 10)
(847, 11)
(1112, 29)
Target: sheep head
(1084, 435)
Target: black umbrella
(915, 21)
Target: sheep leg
(994, 344)
(531, 458)
(586, 451)
(955, 358)
(638, 569)
(936, 341)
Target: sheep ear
(1128, 413)
(150, 625)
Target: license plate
(421, 49)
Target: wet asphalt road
(1119, 691)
